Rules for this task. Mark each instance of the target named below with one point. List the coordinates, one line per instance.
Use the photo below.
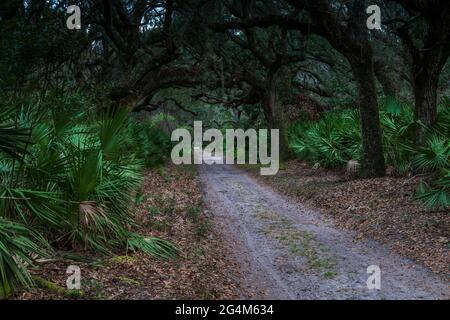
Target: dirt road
(288, 251)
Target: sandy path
(291, 252)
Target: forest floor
(291, 251)
(170, 206)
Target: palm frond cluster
(336, 139)
(68, 181)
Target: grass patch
(129, 281)
(123, 259)
(57, 289)
(300, 243)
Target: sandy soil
(288, 251)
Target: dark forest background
(83, 112)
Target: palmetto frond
(18, 247)
(434, 155)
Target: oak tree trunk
(390, 88)
(275, 117)
(425, 85)
(373, 164)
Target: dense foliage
(67, 173)
(335, 139)
(74, 141)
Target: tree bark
(390, 88)
(275, 117)
(425, 72)
(373, 157)
(425, 96)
